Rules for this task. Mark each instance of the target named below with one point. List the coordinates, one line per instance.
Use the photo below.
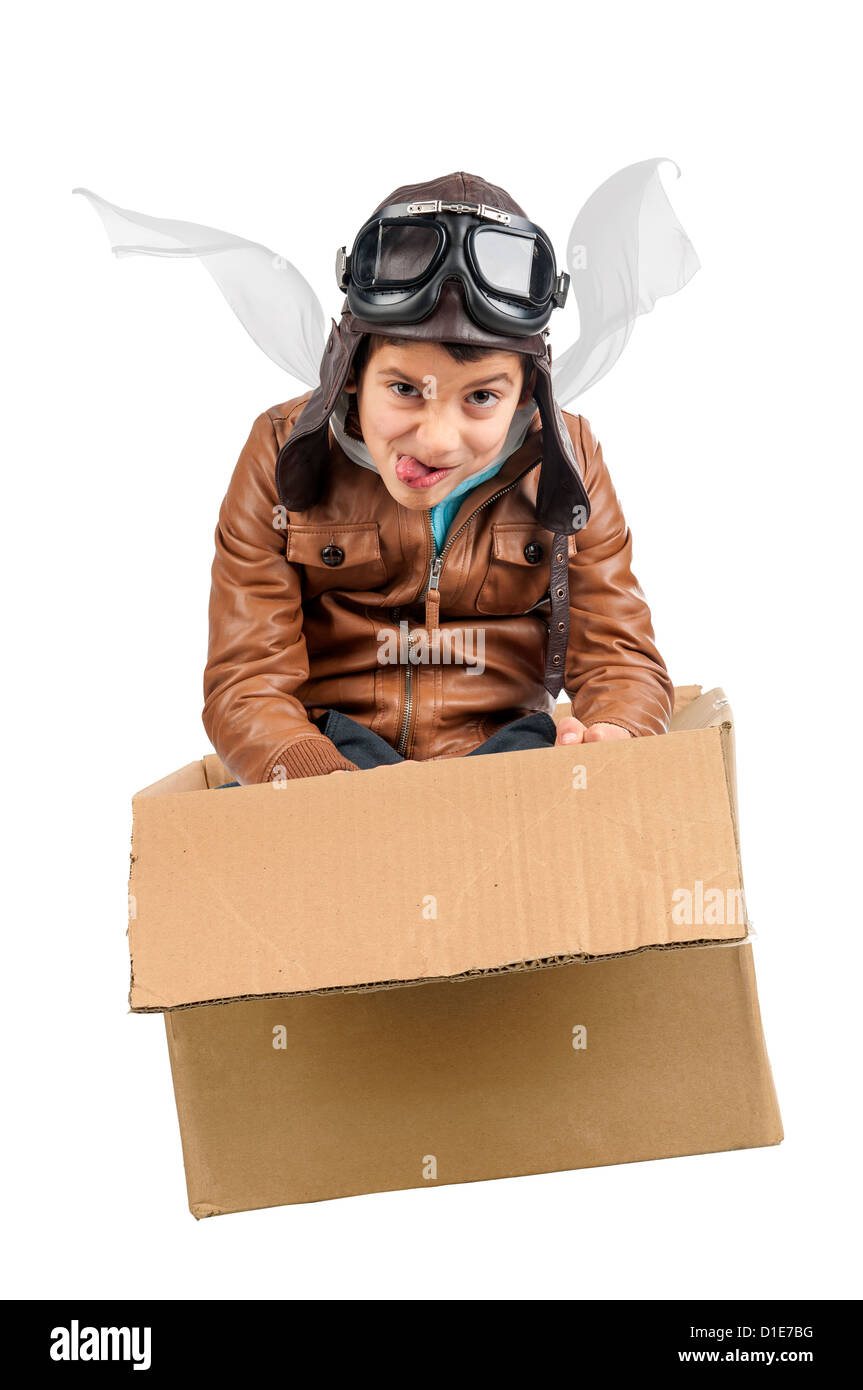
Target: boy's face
(429, 422)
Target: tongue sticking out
(419, 476)
(408, 469)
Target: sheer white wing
(275, 304)
(626, 249)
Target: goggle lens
(515, 265)
(395, 253)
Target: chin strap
(558, 627)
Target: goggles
(402, 255)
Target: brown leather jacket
(292, 635)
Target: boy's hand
(571, 730)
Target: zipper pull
(433, 595)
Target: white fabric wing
(626, 249)
(273, 301)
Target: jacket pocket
(341, 556)
(517, 578)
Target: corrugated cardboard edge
(693, 710)
(510, 968)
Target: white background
(731, 429)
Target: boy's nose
(437, 440)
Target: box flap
(437, 870)
(191, 778)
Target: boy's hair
(461, 352)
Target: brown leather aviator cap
(562, 504)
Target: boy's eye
(406, 391)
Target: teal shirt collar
(442, 514)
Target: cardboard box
(472, 968)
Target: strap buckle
(483, 210)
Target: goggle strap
(558, 299)
(343, 267)
(472, 209)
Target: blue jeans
(367, 749)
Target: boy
(414, 558)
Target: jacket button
(332, 555)
(533, 553)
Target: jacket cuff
(312, 755)
(640, 726)
(621, 723)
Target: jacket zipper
(434, 583)
(408, 691)
(405, 725)
(436, 566)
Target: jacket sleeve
(614, 673)
(257, 657)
